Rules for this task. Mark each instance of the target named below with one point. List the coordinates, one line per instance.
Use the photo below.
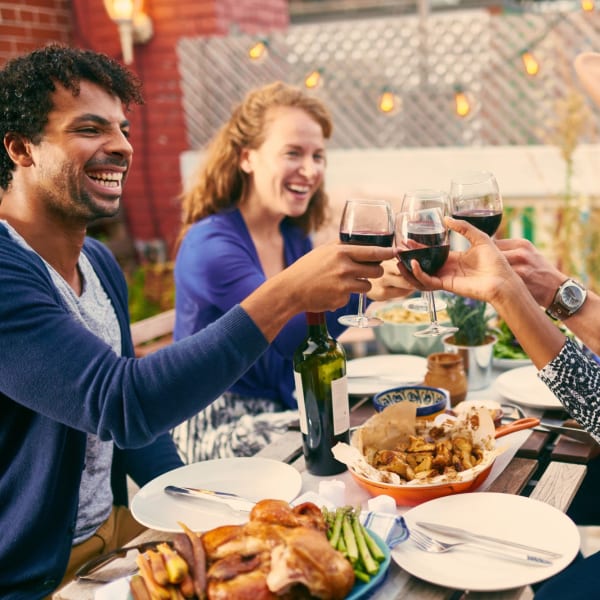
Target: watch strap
(557, 310)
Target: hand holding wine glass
(367, 223)
(475, 197)
(421, 235)
(415, 200)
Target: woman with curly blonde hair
(257, 197)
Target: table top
(545, 467)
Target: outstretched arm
(543, 279)
(321, 280)
(483, 272)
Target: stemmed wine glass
(367, 223)
(475, 197)
(419, 199)
(422, 235)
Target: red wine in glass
(485, 220)
(360, 238)
(422, 236)
(366, 222)
(475, 198)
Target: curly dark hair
(27, 83)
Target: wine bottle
(322, 394)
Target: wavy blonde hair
(220, 184)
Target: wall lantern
(133, 23)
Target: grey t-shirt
(95, 311)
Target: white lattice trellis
(422, 62)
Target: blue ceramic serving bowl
(430, 401)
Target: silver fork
(429, 544)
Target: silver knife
(234, 501)
(476, 537)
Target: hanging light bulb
(587, 5)
(530, 63)
(462, 105)
(389, 103)
(259, 50)
(313, 79)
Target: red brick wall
(158, 129)
(28, 24)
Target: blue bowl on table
(430, 401)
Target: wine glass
(475, 198)
(366, 223)
(422, 235)
(423, 198)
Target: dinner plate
(252, 477)
(510, 363)
(119, 589)
(523, 387)
(373, 374)
(506, 516)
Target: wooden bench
(153, 333)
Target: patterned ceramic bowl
(430, 401)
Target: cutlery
(429, 544)
(476, 537)
(234, 501)
(574, 433)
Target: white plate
(510, 363)
(374, 374)
(523, 386)
(254, 478)
(507, 516)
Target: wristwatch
(569, 298)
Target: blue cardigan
(59, 381)
(217, 267)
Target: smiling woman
(258, 195)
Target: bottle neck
(317, 324)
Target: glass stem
(432, 310)
(361, 305)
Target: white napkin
(386, 523)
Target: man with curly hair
(78, 411)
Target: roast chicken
(282, 553)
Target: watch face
(572, 296)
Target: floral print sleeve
(575, 380)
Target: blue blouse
(217, 266)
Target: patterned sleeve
(575, 380)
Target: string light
(389, 103)
(258, 51)
(530, 63)
(313, 79)
(462, 106)
(587, 5)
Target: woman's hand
(392, 284)
(480, 272)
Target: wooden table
(556, 486)
(534, 471)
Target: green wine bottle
(322, 393)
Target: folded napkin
(380, 516)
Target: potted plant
(474, 340)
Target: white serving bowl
(399, 326)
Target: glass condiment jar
(446, 370)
